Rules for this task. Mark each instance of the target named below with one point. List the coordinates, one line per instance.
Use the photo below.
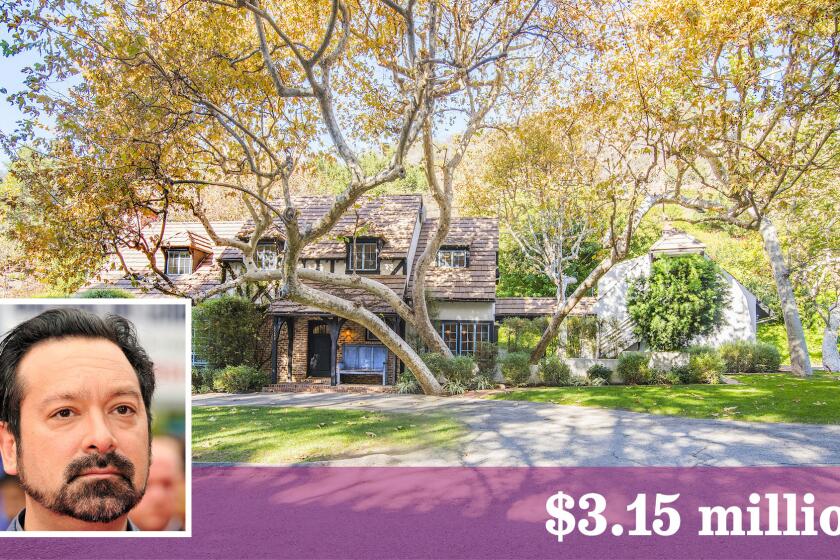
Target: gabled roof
(388, 217)
(539, 307)
(188, 238)
(206, 275)
(478, 281)
(676, 242)
(356, 295)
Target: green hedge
(554, 372)
(240, 379)
(704, 365)
(598, 371)
(226, 332)
(460, 369)
(750, 357)
(516, 368)
(633, 368)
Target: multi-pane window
(463, 337)
(178, 261)
(449, 333)
(363, 256)
(267, 256)
(453, 258)
(467, 338)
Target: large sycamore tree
(746, 94)
(172, 100)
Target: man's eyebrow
(127, 393)
(68, 396)
(62, 397)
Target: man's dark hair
(64, 323)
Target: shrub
(767, 357)
(516, 368)
(436, 363)
(691, 284)
(598, 371)
(482, 383)
(486, 356)
(749, 357)
(458, 368)
(454, 387)
(705, 365)
(684, 375)
(106, 293)
(736, 356)
(226, 332)
(633, 368)
(554, 372)
(240, 379)
(660, 377)
(407, 384)
(202, 377)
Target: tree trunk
(800, 362)
(603, 267)
(831, 357)
(562, 331)
(302, 293)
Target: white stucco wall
(739, 316)
(466, 311)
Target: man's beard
(100, 500)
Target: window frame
(454, 330)
(449, 253)
(267, 245)
(180, 251)
(362, 242)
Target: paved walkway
(516, 433)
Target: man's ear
(8, 449)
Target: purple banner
(400, 512)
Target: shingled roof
(206, 275)
(539, 307)
(390, 218)
(356, 295)
(478, 281)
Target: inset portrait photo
(94, 417)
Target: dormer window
(363, 255)
(178, 261)
(267, 256)
(453, 257)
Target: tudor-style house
(382, 239)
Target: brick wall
(350, 333)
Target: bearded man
(75, 424)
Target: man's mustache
(113, 460)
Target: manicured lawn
(298, 435)
(760, 398)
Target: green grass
(774, 333)
(299, 435)
(760, 398)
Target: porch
(324, 350)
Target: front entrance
(319, 350)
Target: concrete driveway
(511, 433)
